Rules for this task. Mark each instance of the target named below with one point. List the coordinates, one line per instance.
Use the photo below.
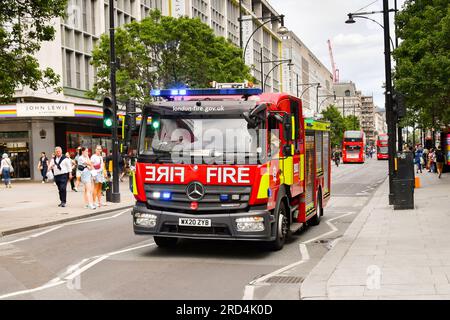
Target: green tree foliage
(24, 25)
(339, 124)
(165, 52)
(423, 61)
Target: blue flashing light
(166, 195)
(224, 197)
(205, 92)
(269, 192)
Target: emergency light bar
(204, 92)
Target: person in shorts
(85, 167)
(98, 173)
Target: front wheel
(282, 228)
(165, 242)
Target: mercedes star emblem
(195, 191)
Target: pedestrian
(122, 170)
(77, 172)
(432, 159)
(74, 166)
(418, 160)
(440, 159)
(85, 167)
(6, 169)
(98, 175)
(43, 166)
(62, 171)
(425, 158)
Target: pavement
(387, 254)
(30, 205)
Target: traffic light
(131, 116)
(399, 105)
(108, 113)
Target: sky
(358, 48)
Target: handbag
(50, 175)
(80, 167)
(11, 169)
(97, 166)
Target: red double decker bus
(382, 146)
(353, 147)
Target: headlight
(145, 219)
(250, 224)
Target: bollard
(417, 182)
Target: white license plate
(352, 156)
(193, 222)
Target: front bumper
(223, 226)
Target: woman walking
(6, 169)
(98, 174)
(43, 166)
(85, 167)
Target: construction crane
(333, 65)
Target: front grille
(210, 203)
(215, 230)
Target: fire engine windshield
(200, 140)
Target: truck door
(298, 160)
(273, 153)
(310, 171)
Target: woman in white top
(98, 174)
(85, 167)
(6, 169)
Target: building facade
(380, 121)
(367, 119)
(37, 121)
(348, 99)
(306, 70)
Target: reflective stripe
(293, 128)
(263, 186)
(287, 167)
(133, 176)
(302, 167)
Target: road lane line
(35, 235)
(250, 288)
(304, 251)
(45, 232)
(17, 293)
(74, 271)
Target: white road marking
(45, 232)
(74, 271)
(35, 235)
(250, 288)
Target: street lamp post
(281, 30)
(326, 98)
(115, 141)
(390, 118)
(278, 63)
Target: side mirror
(287, 150)
(287, 128)
(251, 122)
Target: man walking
(62, 167)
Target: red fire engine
(231, 163)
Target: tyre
(314, 221)
(281, 229)
(165, 242)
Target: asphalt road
(101, 258)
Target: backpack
(440, 156)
